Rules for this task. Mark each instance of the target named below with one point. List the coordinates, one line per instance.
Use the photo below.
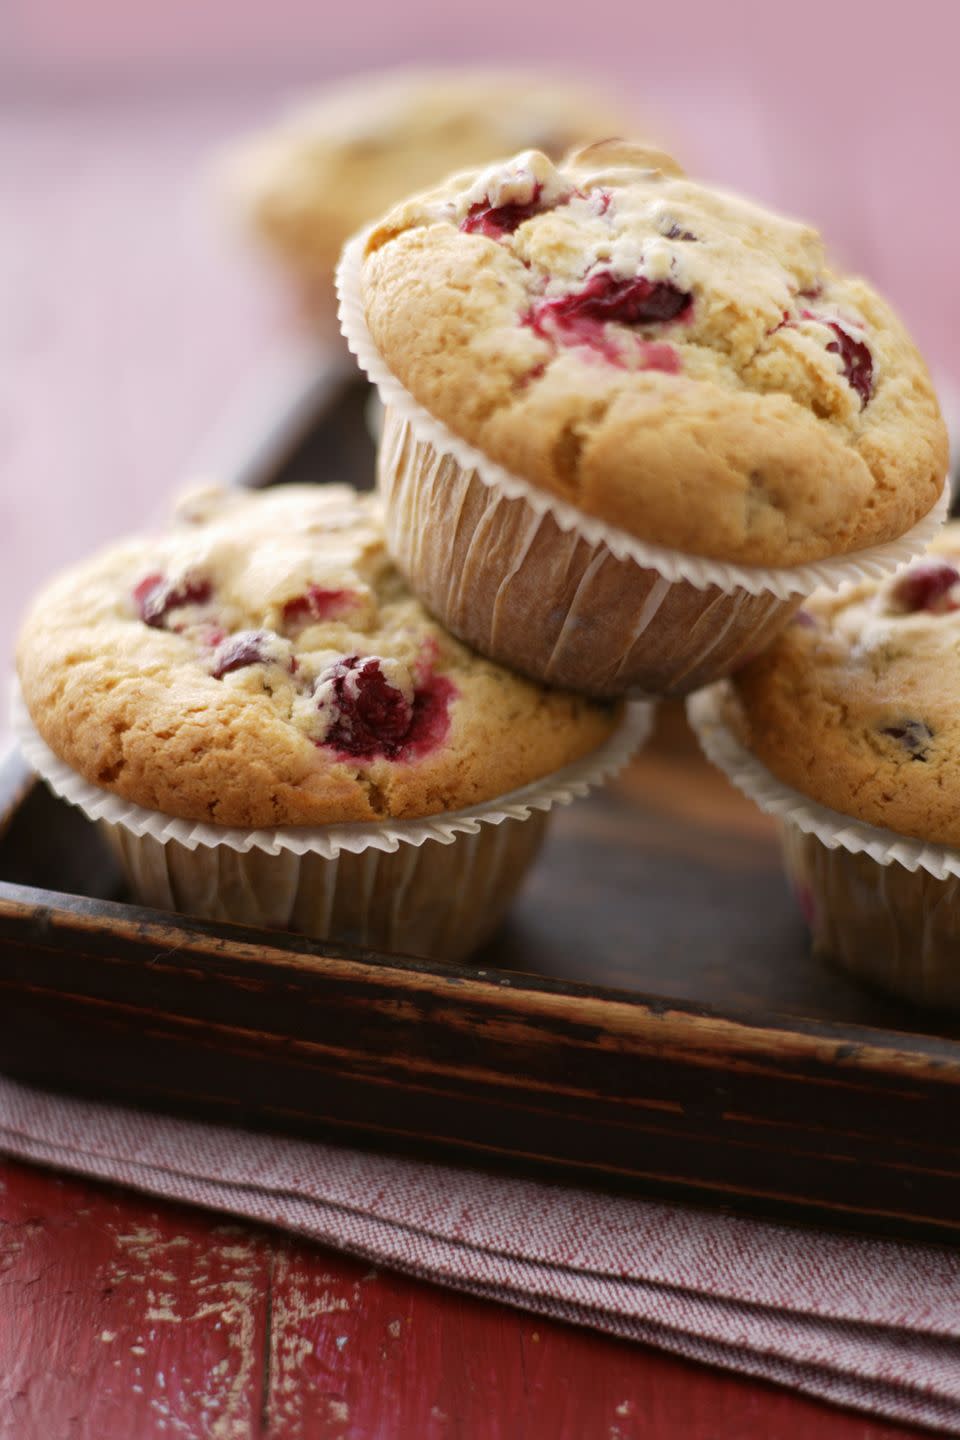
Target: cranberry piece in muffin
(497, 220)
(509, 197)
(373, 707)
(633, 301)
(856, 359)
(369, 712)
(582, 317)
(928, 585)
(913, 735)
(251, 647)
(316, 604)
(155, 597)
(744, 400)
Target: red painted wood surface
(126, 324)
(124, 1319)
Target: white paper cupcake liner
(546, 602)
(328, 841)
(784, 582)
(706, 712)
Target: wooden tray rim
(644, 1021)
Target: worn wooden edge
(766, 1201)
(808, 1119)
(293, 396)
(167, 1061)
(654, 1023)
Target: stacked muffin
(631, 420)
(631, 423)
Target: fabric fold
(861, 1322)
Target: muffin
(330, 166)
(631, 419)
(848, 727)
(256, 693)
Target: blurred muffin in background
(305, 185)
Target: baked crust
(855, 703)
(301, 575)
(780, 416)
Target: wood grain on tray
(649, 1018)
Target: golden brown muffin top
(263, 663)
(666, 356)
(856, 703)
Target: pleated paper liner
(436, 887)
(533, 582)
(884, 906)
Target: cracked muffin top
(263, 663)
(855, 704)
(331, 166)
(668, 357)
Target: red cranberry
(155, 597)
(855, 357)
(431, 715)
(581, 317)
(634, 301)
(857, 362)
(914, 736)
(316, 604)
(927, 585)
(248, 647)
(373, 718)
(148, 586)
(495, 221)
(805, 620)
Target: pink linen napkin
(862, 1322)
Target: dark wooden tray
(649, 1017)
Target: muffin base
(549, 602)
(882, 906)
(436, 887)
(895, 929)
(436, 901)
